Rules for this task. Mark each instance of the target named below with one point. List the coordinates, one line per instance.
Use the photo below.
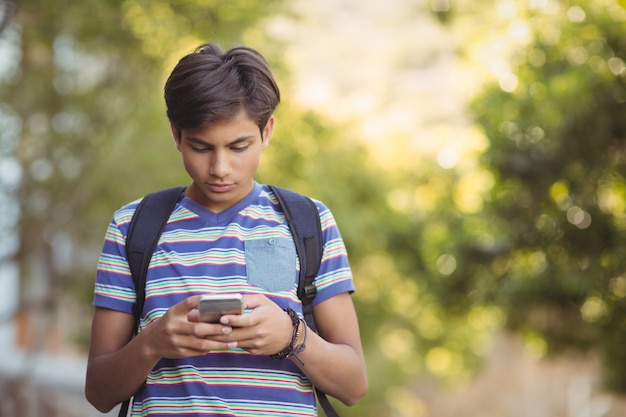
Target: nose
(219, 165)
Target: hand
(178, 333)
(266, 330)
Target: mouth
(219, 188)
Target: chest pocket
(271, 263)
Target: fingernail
(232, 345)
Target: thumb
(186, 306)
(253, 301)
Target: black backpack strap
(304, 221)
(144, 231)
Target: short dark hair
(209, 85)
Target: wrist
(147, 349)
(301, 336)
(300, 343)
(298, 338)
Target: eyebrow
(204, 143)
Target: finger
(238, 320)
(177, 317)
(206, 330)
(193, 346)
(187, 305)
(251, 341)
(194, 316)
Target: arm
(117, 367)
(333, 360)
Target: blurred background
(473, 153)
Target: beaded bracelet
(291, 349)
(300, 348)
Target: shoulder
(164, 197)
(123, 215)
(271, 192)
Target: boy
(220, 106)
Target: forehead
(227, 129)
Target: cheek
(192, 163)
(250, 164)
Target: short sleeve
(114, 287)
(335, 275)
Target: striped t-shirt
(245, 249)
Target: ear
(176, 135)
(267, 132)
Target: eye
(199, 149)
(239, 148)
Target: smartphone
(213, 306)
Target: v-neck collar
(223, 217)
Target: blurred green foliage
(551, 247)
